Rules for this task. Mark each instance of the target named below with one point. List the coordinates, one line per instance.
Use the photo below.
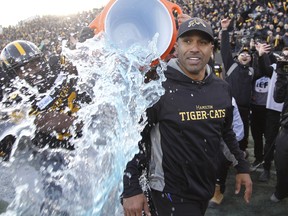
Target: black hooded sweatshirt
(241, 79)
(181, 140)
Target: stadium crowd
(264, 20)
(48, 32)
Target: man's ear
(176, 48)
(212, 55)
(212, 46)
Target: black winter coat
(241, 79)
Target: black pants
(245, 115)
(172, 205)
(257, 123)
(271, 131)
(281, 163)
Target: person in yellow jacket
(48, 89)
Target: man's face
(36, 73)
(194, 50)
(244, 58)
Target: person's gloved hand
(85, 34)
(151, 75)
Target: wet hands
(244, 179)
(151, 75)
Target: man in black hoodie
(240, 76)
(181, 141)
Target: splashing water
(92, 182)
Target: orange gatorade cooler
(127, 22)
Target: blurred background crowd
(251, 20)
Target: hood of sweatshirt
(176, 73)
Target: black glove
(151, 75)
(85, 34)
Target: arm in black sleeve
(281, 88)
(132, 173)
(265, 67)
(225, 50)
(139, 164)
(230, 140)
(256, 66)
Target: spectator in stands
(267, 63)
(236, 71)
(258, 104)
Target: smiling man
(181, 141)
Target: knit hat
(244, 49)
(196, 24)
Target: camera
(282, 67)
(282, 62)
